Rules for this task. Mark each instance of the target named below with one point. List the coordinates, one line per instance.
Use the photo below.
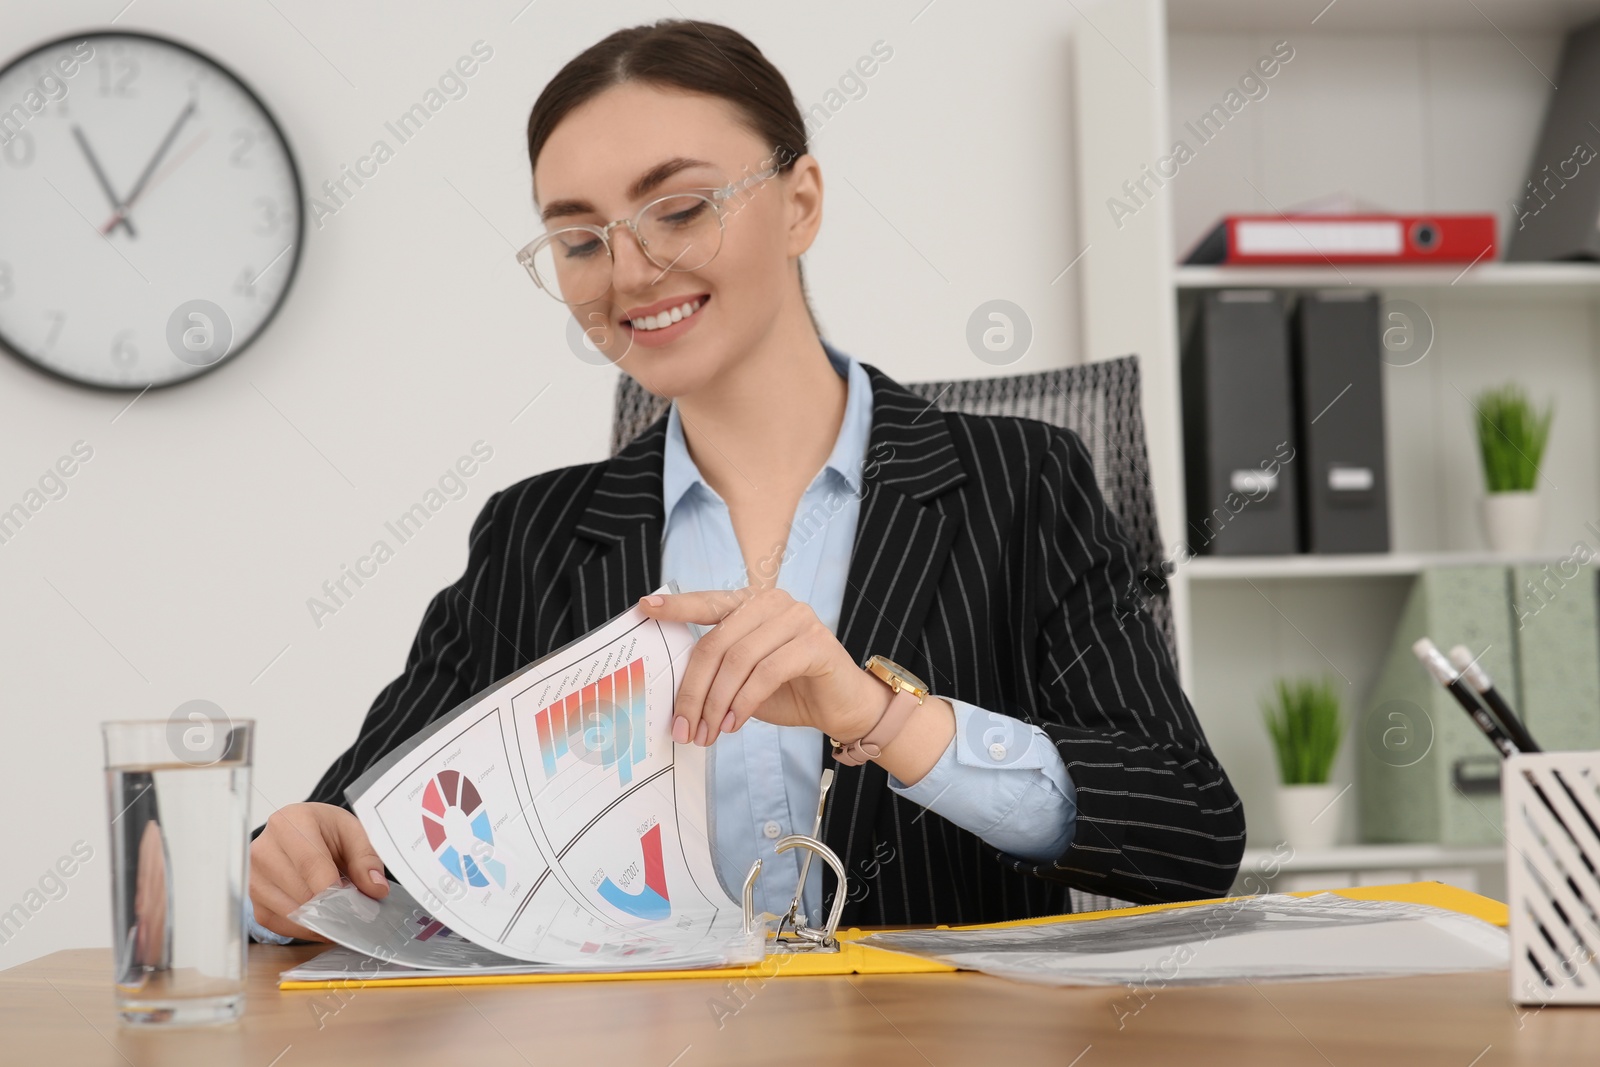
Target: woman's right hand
(303, 850)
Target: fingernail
(727, 722)
(377, 876)
(680, 730)
(700, 734)
(652, 600)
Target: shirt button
(772, 829)
(997, 751)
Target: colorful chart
(430, 926)
(615, 950)
(603, 723)
(650, 902)
(451, 802)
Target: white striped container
(1552, 822)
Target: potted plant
(1307, 726)
(1511, 441)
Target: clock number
(123, 353)
(127, 70)
(55, 331)
(269, 215)
(19, 150)
(7, 286)
(244, 141)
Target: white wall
(1404, 120)
(180, 563)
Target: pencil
(1479, 680)
(1450, 678)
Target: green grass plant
(1512, 436)
(1306, 724)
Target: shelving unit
(1411, 105)
(1577, 280)
(1361, 565)
(1478, 869)
(1373, 16)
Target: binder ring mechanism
(806, 938)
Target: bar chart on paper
(603, 723)
(608, 794)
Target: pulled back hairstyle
(688, 55)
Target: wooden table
(58, 1010)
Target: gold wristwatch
(909, 692)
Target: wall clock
(150, 211)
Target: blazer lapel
(901, 545)
(624, 518)
(899, 552)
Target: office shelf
(1364, 565)
(1375, 858)
(1346, 15)
(1580, 280)
(1476, 868)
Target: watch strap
(894, 719)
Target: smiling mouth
(662, 320)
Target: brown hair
(686, 54)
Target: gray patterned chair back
(1100, 402)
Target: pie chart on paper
(456, 822)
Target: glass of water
(178, 794)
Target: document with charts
(551, 818)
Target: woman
(817, 513)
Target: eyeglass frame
(719, 194)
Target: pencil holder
(1552, 821)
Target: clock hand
(161, 150)
(100, 175)
(165, 172)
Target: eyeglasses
(681, 231)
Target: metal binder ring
(822, 938)
(750, 897)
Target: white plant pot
(1513, 522)
(1306, 818)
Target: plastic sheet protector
(1273, 937)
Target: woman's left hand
(766, 653)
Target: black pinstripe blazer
(985, 560)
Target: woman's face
(594, 168)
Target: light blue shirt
(999, 777)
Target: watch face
(150, 211)
(916, 683)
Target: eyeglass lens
(676, 233)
